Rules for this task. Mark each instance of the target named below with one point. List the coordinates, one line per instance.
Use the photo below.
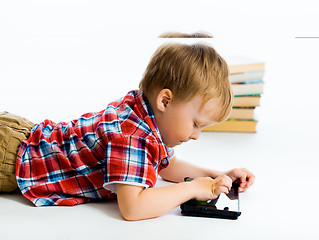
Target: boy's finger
(248, 173)
(251, 180)
(250, 176)
(243, 177)
(221, 189)
(225, 181)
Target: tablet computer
(225, 206)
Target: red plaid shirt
(76, 162)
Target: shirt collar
(147, 112)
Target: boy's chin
(171, 145)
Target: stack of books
(246, 76)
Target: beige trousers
(13, 130)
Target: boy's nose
(195, 134)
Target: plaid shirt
(76, 162)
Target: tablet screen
(229, 202)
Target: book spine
(247, 88)
(233, 126)
(246, 76)
(246, 101)
(246, 68)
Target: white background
(60, 59)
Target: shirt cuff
(111, 186)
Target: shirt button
(164, 161)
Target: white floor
(282, 203)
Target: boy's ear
(164, 98)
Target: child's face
(181, 121)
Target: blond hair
(188, 71)
(185, 35)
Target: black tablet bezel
(194, 208)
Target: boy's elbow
(129, 210)
(131, 204)
(127, 214)
(129, 217)
(130, 214)
(135, 212)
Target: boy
(119, 151)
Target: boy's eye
(195, 125)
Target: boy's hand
(208, 188)
(246, 178)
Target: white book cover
(248, 88)
(246, 76)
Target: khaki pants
(13, 130)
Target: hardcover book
(252, 100)
(233, 125)
(241, 64)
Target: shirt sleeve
(171, 153)
(131, 160)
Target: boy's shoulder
(133, 115)
(136, 129)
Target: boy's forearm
(151, 202)
(178, 170)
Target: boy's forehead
(207, 106)
(209, 109)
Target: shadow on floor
(108, 207)
(17, 197)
